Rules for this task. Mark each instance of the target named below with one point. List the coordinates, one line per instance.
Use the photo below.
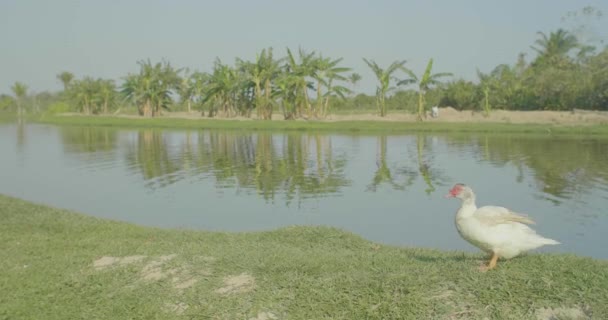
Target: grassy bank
(62, 265)
(338, 126)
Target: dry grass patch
(237, 284)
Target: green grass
(339, 126)
(363, 111)
(7, 117)
(47, 255)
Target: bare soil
(575, 117)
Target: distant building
(435, 111)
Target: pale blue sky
(106, 38)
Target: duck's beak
(449, 195)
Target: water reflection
(82, 140)
(399, 177)
(295, 165)
(562, 167)
(292, 164)
(21, 134)
(302, 165)
(425, 157)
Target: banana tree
(333, 91)
(85, 93)
(302, 70)
(262, 73)
(384, 78)
(424, 83)
(221, 89)
(133, 89)
(286, 88)
(252, 84)
(186, 90)
(151, 89)
(325, 72)
(107, 92)
(20, 91)
(199, 88)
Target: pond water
(386, 188)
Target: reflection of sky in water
(213, 180)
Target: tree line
(564, 74)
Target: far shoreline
(449, 120)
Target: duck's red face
(455, 191)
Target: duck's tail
(548, 241)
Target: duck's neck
(468, 207)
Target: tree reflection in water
(296, 165)
(560, 166)
(302, 165)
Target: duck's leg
(493, 261)
(492, 264)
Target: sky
(105, 39)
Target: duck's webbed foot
(491, 265)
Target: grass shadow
(457, 257)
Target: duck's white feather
(497, 229)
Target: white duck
(495, 230)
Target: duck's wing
(492, 215)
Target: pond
(387, 188)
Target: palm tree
(384, 79)
(427, 80)
(20, 91)
(354, 78)
(66, 78)
(557, 45)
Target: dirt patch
(207, 258)
(563, 314)
(181, 277)
(153, 270)
(177, 308)
(265, 316)
(447, 114)
(131, 259)
(183, 283)
(455, 304)
(237, 284)
(443, 295)
(105, 262)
